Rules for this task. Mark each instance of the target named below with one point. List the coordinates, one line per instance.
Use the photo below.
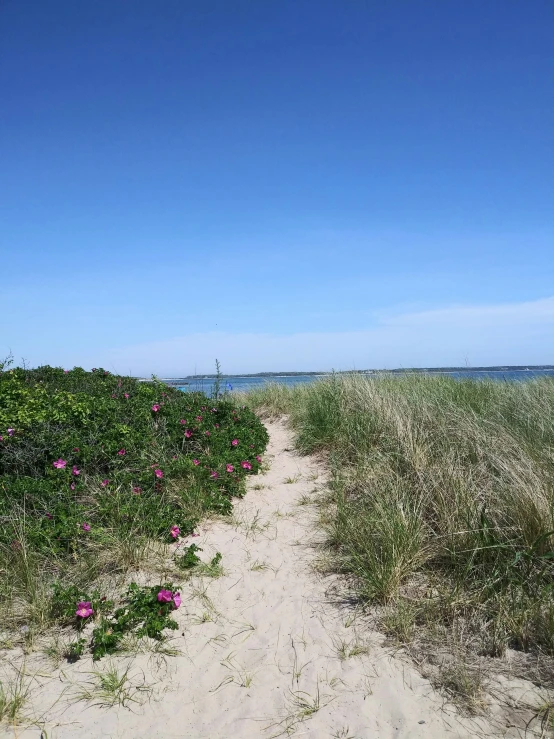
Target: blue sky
(282, 184)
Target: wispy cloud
(511, 333)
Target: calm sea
(246, 383)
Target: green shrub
(84, 452)
(147, 612)
(90, 458)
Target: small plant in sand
(113, 686)
(189, 561)
(14, 694)
(188, 558)
(147, 612)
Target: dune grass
(441, 501)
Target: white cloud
(516, 333)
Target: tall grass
(442, 496)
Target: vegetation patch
(96, 470)
(440, 507)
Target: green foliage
(75, 650)
(188, 558)
(64, 601)
(137, 459)
(143, 614)
(135, 453)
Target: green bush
(93, 466)
(85, 452)
(146, 612)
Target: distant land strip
(400, 370)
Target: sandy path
(260, 645)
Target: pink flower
(49, 516)
(235, 442)
(125, 395)
(208, 433)
(119, 383)
(177, 599)
(214, 410)
(174, 456)
(198, 418)
(66, 372)
(84, 609)
(59, 464)
(75, 470)
(104, 483)
(159, 474)
(85, 526)
(258, 458)
(216, 426)
(121, 452)
(214, 475)
(195, 462)
(75, 448)
(137, 490)
(230, 468)
(183, 421)
(72, 486)
(114, 395)
(155, 407)
(1, 438)
(165, 596)
(174, 531)
(246, 465)
(188, 433)
(11, 432)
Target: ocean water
(247, 383)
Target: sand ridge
(264, 650)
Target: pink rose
(84, 609)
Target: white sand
(257, 668)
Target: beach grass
(440, 505)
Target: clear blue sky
(283, 184)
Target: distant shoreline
(406, 370)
